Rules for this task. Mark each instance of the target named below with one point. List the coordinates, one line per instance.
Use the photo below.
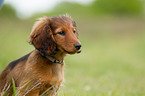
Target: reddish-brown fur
(35, 68)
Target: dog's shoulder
(15, 62)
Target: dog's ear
(42, 37)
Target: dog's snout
(77, 46)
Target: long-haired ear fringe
(41, 37)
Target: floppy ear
(42, 37)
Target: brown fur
(34, 69)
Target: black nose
(77, 46)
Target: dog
(42, 70)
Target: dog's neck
(56, 58)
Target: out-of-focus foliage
(7, 11)
(73, 9)
(100, 7)
(118, 6)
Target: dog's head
(52, 34)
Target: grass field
(112, 62)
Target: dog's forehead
(62, 20)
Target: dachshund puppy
(42, 70)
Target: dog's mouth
(73, 52)
(79, 51)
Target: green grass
(111, 63)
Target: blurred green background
(112, 33)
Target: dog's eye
(74, 31)
(61, 33)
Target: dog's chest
(53, 75)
